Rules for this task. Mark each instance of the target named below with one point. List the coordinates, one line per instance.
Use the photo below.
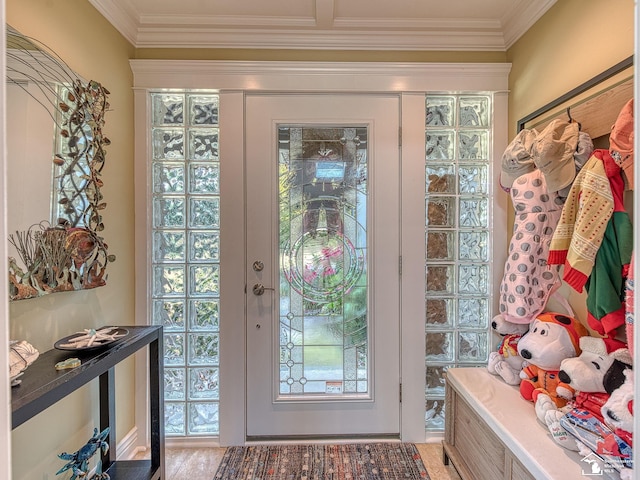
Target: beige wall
(572, 43)
(318, 55)
(94, 49)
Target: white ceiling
(491, 25)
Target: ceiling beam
(324, 13)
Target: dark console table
(42, 386)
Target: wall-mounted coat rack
(595, 104)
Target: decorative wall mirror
(55, 152)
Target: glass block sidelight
(458, 239)
(174, 384)
(185, 185)
(174, 418)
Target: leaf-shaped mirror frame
(69, 254)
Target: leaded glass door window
(458, 240)
(322, 200)
(185, 245)
(322, 307)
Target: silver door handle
(258, 289)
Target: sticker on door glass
(333, 387)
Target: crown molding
(186, 31)
(240, 22)
(521, 17)
(181, 37)
(125, 20)
(456, 25)
(322, 32)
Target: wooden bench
(492, 433)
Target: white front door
(323, 299)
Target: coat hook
(571, 120)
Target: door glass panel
(323, 246)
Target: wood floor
(201, 463)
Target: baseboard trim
(127, 448)
(192, 442)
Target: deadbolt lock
(258, 266)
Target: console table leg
(156, 398)
(108, 414)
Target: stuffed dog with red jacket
(505, 360)
(551, 338)
(594, 370)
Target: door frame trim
(233, 79)
(319, 76)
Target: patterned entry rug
(358, 461)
